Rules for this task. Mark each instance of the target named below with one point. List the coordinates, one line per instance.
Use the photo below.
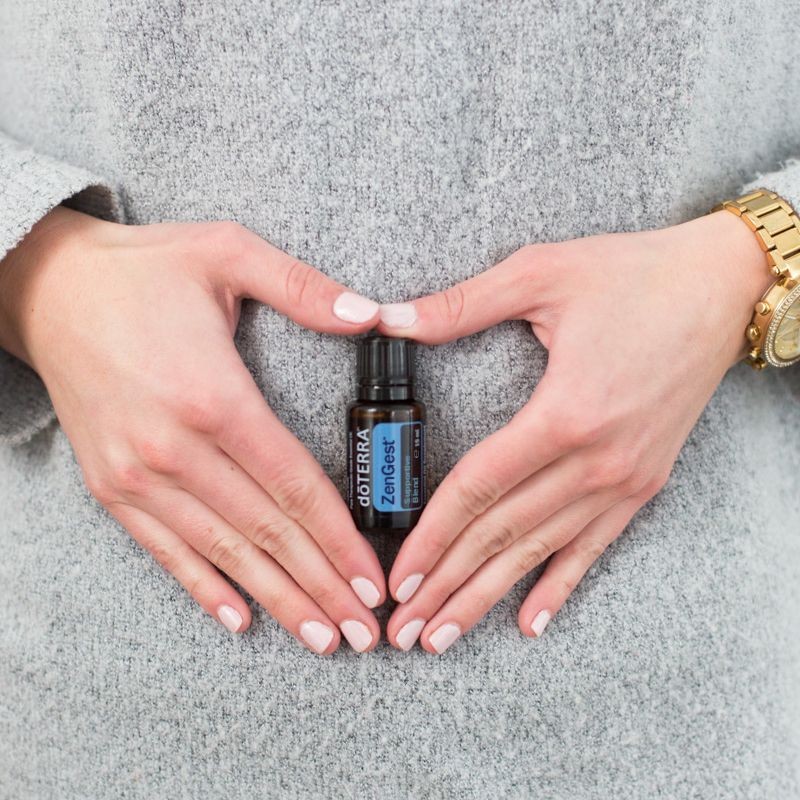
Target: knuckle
(201, 413)
(339, 549)
(435, 543)
(164, 554)
(219, 242)
(323, 594)
(570, 426)
(100, 487)
(436, 594)
(533, 261)
(453, 304)
(497, 538)
(194, 585)
(229, 553)
(158, 454)
(481, 602)
(272, 537)
(531, 553)
(302, 283)
(654, 484)
(128, 479)
(586, 428)
(615, 469)
(588, 549)
(475, 494)
(230, 237)
(296, 495)
(564, 586)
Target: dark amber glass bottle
(386, 439)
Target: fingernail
(316, 635)
(352, 307)
(540, 622)
(398, 315)
(408, 587)
(357, 633)
(230, 618)
(444, 636)
(409, 633)
(367, 591)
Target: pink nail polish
(444, 636)
(316, 635)
(367, 591)
(352, 307)
(540, 622)
(407, 588)
(398, 315)
(230, 618)
(409, 633)
(357, 633)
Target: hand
(131, 329)
(640, 330)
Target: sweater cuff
(785, 182)
(31, 184)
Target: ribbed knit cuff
(31, 184)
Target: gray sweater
(400, 148)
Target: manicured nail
(398, 315)
(316, 635)
(357, 633)
(367, 591)
(444, 636)
(408, 587)
(540, 622)
(230, 618)
(353, 307)
(409, 633)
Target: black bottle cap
(384, 361)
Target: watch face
(787, 335)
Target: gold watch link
(775, 316)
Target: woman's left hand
(640, 330)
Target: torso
(399, 149)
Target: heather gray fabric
(401, 147)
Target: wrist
(31, 272)
(731, 258)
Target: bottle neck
(383, 392)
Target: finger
(252, 565)
(259, 270)
(292, 477)
(195, 573)
(506, 291)
(494, 579)
(528, 506)
(527, 444)
(227, 489)
(568, 566)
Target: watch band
(777, 229)
(775, 224)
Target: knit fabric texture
(402, 147)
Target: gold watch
(773, 334)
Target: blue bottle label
(397, 459)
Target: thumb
(498, 294)
(263, 272)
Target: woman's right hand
(131, 329)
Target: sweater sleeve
(31, 184)
(786, 183)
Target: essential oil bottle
(386, 438)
